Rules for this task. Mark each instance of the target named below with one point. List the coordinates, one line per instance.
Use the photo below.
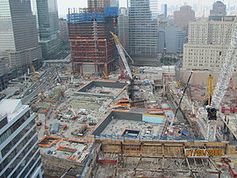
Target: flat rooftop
(102, 88)
(131, 125)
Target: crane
(209, 89)
(222, 84)
(122, 52)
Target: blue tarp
(153, 119)
(90, 16)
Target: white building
(19, 152)
(208, 41)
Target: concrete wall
(116, 115)
(56, 167)
(200, 77)
(102, 84)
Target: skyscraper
(123, 27)
(20, 155)
(218, 9)
(184, 16)
(143, 32)
(18, 35)
(46, 12)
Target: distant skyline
(202, 7)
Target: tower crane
(222, 84)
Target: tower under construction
(92, 47)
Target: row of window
(14, 127)
(23, 164)
(19, 158)
(3, 122)
(30, 166)
(14, 141)
(18, 148)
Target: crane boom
(122, 54)
(227, 70)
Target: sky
(201, 7)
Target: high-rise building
(20, 155)
(123, 27)
(3, 72)
(184, 16)
(46, 12)
(208, 41)
(218, 9)
(164, 10)
(92, 47)
(63, 30)
(18, 35)
(142, 29)
(170, 38)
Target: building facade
(170, 37)
(208, 41)
(184, 16)
(63, 30)
(123, 27)
(18, 35)
(46, 12)
(142, 29)
(19, 152)
(218, 9)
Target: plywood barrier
(169, 148)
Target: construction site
(95, 121)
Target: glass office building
(143, 31)
(46, 12)
(19, 152)
(18, 34)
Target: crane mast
(122, 54)
(222, 84)
(226, 71)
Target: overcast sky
(201, 6)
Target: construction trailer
(92, 47)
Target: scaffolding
(92, 48)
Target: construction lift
(222, 84)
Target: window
(3, 122)
(14, 141)
(19, 158)
(14, 127)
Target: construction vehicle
(222, 84)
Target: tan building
(208, 42)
